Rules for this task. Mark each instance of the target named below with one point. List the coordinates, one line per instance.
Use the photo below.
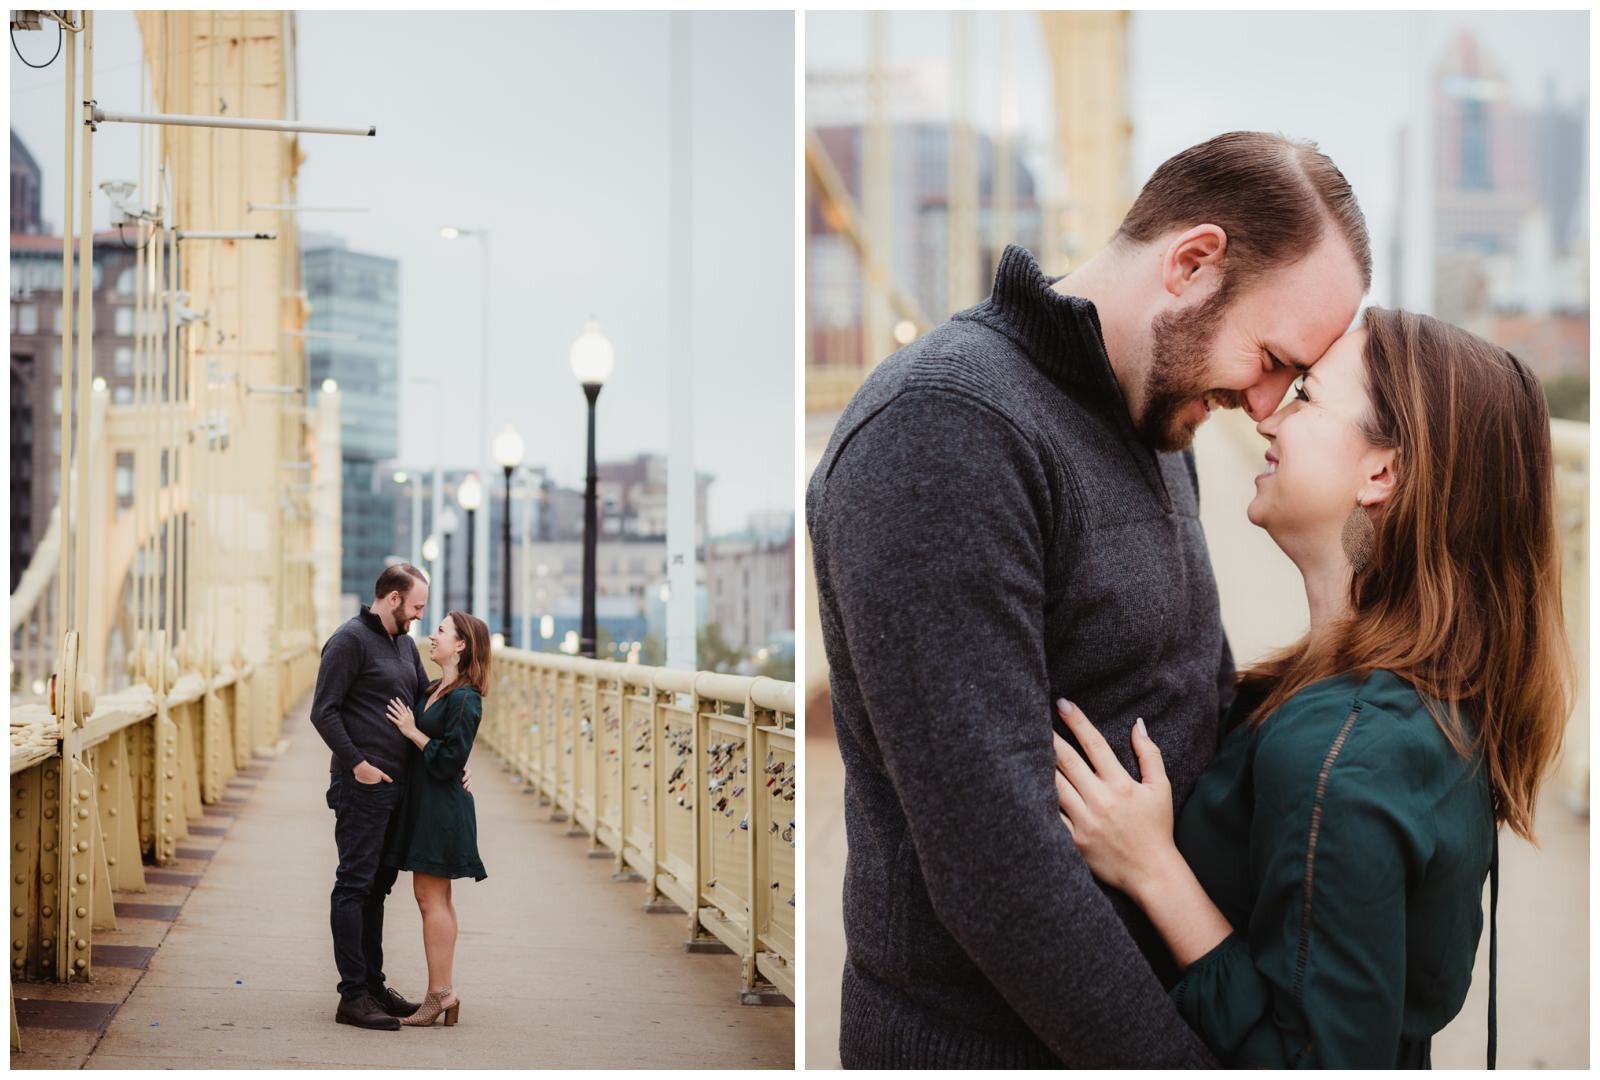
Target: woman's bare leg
(438, 928)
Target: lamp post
(592, 360)
(448, 523)
(401, 478)
(470, 496)
(508, 450)
(480, 234)
(430, 552)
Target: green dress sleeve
(445, 756)
(1318, 978)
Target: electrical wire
(60, 37)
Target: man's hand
(466, 778)
(367, 773)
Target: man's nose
(1261, 400)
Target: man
(1007, 514)
(367, 662)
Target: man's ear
(1194, 258)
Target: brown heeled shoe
(432, 1007)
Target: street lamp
(508, 450)
(592, 360)
(430, 552)
(470, 496)
(448, 523)
(400, 479)
(480, 234)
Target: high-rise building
(354, 339)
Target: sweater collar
(1061, 334)
(374, 621)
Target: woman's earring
(1359, 538)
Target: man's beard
(1180, 342)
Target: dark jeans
(361, 820)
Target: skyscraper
(354, 339)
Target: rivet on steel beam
(45, 943)
(83, 879)
(83, 812)
(49, 845)
(18, 912)
(82, 944)
(50, 813)
(113, 811)
(83, 845)
(83, 913)
(19, 879)
(83, 793)
(49, 879)
(81, 963)
(111, 860)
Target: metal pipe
(84, 359)
(223, 234)
(483, 427)
(64, 494)
(101, 116)
(287, 208)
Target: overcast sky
(550, 129)
(1338, 78)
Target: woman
(1323, 891)
(435, 834)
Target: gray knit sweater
(989, 535)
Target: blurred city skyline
(1352, 82)
(551, 130)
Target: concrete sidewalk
(556, 964)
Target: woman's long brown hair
(473, 668)
(1462, 595)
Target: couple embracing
(400, 789)
(1277, 867)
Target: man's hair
(397, 578)
(1274, 197)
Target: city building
(353, 337)
(26, 180)
(36, 325)
(1509, 256)
(750, 583)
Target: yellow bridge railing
(686, 780)
(97, 787)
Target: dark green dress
(436, 830)
(1347, 843)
